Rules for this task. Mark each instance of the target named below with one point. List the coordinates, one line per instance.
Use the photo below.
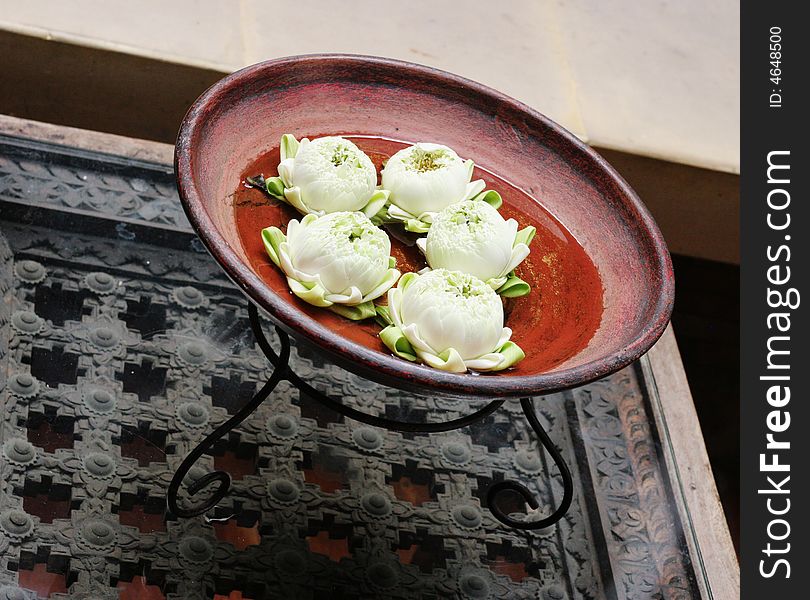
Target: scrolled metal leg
(525, 493)
(224, 479)
(355, 414)
(282, 371)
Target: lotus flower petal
(471, 236)
(449, 320)
(328, 174)
(423, 179)
(338, 260)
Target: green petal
(383, 317)
(407, 280)
(311, 293)
(451, 361)
(512, 353)
(293, 197)
(382, 216)
(357, 312)
(376, 205)
(396, 342)
(392, 262)
(524, 236)
(308, 219)
(275, 187)
(417, 226)
(289, 146)
(273, 238)
(514, 287)
(491, 197)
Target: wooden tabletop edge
(711, 543)
(97, 141)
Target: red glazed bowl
(579, 323)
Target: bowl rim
(375, 364)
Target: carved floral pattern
(130, 376)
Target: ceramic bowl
(579, 323)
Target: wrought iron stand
(282, 371)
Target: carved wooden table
(122, 344)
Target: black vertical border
(765, 129)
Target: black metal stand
(282, 371)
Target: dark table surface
(122, 344)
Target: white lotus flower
(472, 237)
(326, 175)
(341, 261)
(448, 320)
(425, 178)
